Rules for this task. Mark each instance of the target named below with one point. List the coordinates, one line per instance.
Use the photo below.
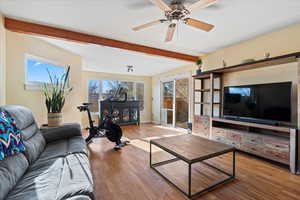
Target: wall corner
(2, 61)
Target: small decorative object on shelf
(267, 55)
(224, 63)
(55, 93)
(199, 63)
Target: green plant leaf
(55, 91)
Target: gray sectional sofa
(54, 165)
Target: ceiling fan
(177, 12)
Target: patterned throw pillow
(10, 136)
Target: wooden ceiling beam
(48, 31)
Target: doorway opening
(175, 103)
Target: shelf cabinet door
(276, 143)
(201, 125)
(234, 137)
(252, 138)
(219, 134)
(277, 155)
(277, 149)
(253, 148)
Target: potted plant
(55, 93)
(199, 63)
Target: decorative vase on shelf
(224, 63)
(199, 70)
(199, 64)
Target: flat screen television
(271, 102)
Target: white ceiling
(111, 60)
(234, 20)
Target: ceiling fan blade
(170, 32)
(161, 4)
(201, 4)
(148, 24)
(198, 24)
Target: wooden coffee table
(192, 149)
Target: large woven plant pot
(54, 119)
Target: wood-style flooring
(126, 175)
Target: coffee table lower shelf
(178, 157)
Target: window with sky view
(37, 71)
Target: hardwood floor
(126, 175)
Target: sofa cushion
(59, 178)
(34, 147)
(10, 136)
(33, 140)
(23, 116)
(11, 170)
(61, 148)
(63, 132)
(29, 131)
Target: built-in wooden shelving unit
(207, 94)
(276, 143)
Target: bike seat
(87, 104)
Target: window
(102, 89)
(37, 70)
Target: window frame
(34, 85)
(120, 80)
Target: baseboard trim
(146, 122)
(155, 122)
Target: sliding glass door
(182, 103)
(167, 108)
(175, 103)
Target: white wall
(2, 61)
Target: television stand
(276, 143)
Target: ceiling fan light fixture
(176, 12)
(170, 32)
(174, 21)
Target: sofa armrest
(63, 132)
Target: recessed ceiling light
(129, 68)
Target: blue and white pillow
(10, 136)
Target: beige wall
(18, 45)
(2, 60)
(277, 43)
(87, 75)
(156, 88)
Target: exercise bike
(108, 127)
